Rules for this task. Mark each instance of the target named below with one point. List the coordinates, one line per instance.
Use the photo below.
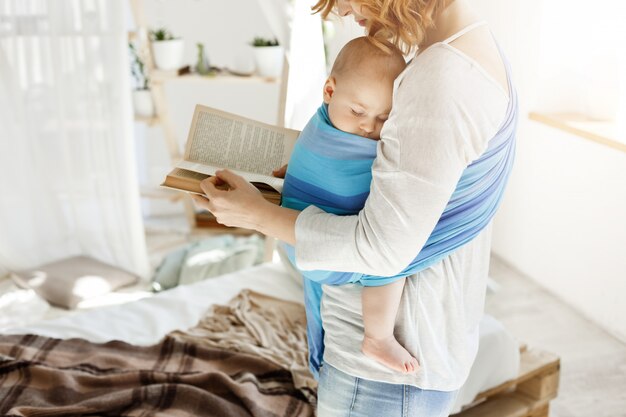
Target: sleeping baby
(330, 168)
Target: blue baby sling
(331, 169)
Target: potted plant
(167, 49)
(142, 98)
(268, 55)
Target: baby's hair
(363, 55)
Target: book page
(275, 183)
(224, 140)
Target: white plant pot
(142, 103)
(168, 55)
(269, 60)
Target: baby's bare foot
(390, 353)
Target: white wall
(224, 27)
(563, 219)
(563, 222)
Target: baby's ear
(329, 89)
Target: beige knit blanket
(260, 325)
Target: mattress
(146, 321)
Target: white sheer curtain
(307, 65)
(278, 14)
(67, 171)
(300, 32)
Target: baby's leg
(380, 307)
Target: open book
(249, 148)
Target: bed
(144, 322)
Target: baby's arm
(380, 307)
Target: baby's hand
(280, 172)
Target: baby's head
(360, 87)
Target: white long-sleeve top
(445, 110)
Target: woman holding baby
(437, 176)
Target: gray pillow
(167, 273)
(208, 258)
(67, 282)
(215, 257)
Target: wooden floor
(593, 363)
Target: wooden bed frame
(528, 395)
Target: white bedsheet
(146, 321)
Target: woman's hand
(280, 172)
(232, 200)
(235, 202)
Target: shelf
(150, 121)
(158, 76)
(600, 131)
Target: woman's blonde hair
(402, 22)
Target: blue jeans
(342, 395)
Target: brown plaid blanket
(260, 325)
(42, 376)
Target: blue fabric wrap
(331, 169)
